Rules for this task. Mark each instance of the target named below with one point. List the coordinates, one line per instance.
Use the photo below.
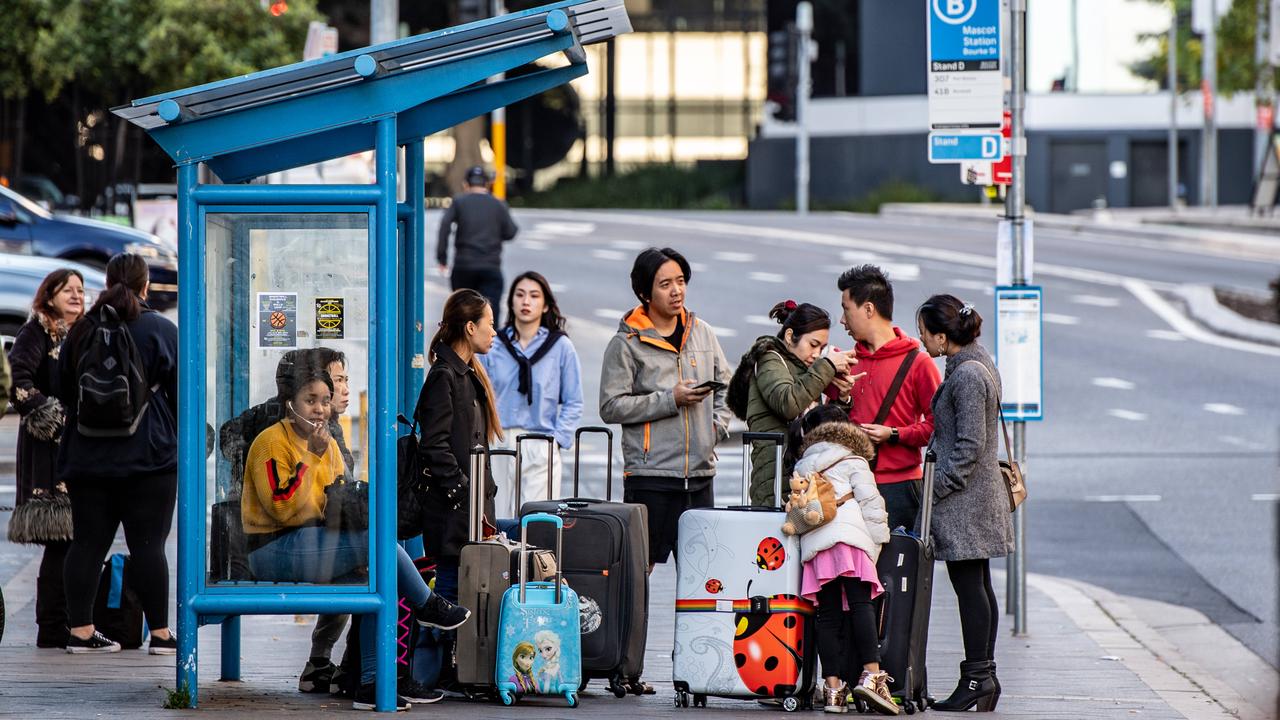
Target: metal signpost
(804, 31)
(966, 86)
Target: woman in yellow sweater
(286, 472)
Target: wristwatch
(893, 436)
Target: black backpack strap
(891, 396)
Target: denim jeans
(319, 555)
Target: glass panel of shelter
(287, 296)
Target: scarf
(526, 364)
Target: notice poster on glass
(1019, 351)
(278, 320)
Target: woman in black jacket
(43, 515)
(120, 476)
(456, 412)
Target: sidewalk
(1088, 656)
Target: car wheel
(8, 331)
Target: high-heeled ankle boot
(995, 678)
(977, 687)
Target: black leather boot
(977, 687)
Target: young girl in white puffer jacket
(840, 565)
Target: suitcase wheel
(791, 703)
(699, 701)
(618, 687)
(572, 698)
(682, 699)
(508, 697)
(909, 707)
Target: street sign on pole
(966, 89)
(1020, 351)
(964, 147)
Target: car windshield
(24, 203)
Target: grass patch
(179, 699)
(654, 187)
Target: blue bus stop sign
(966, 88)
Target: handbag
(1010, 470)
(347, 506)
(44, 518)
(411, 482)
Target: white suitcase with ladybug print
(742, 631)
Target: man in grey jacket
(664, 380)
(483, 223)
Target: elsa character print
(522, 661)
(548, 644)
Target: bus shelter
(269, 270)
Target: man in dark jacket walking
(483, 223)
(883, 351)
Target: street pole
(384, 16)
(1262, 87)
(1015, 206)
(1209, 87)
(498, 126)
(804, 28)
(1172, 54)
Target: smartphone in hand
(712, 385)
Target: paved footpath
(1090, 654)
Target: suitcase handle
(577, 451)
(550, 440)
(475, 513)
(524, 549)
(748, 440)
(926, 494)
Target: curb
(1181, 681)
(1202, 305)
(1250, 246)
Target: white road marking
(1241, 442)
(724, 331)
(901, 272)
(1127, 414)
(531, 244)
(565, 228)
(697, 267)
(1223, 409)
(764, 320)
(559, 288)
(734, 257)
(608, 255)
(609, 314)
(628, 244)
(1147, 295)
(767, 277)
(1170, 335)
(1056, 319)
(8, 489)
(1122, 498)
(1095, 301)
(860, 257)
(967, 284)
(1113, 383)
(1265, 497)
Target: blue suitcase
(539, 635)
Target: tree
(1237, 70)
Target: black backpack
(113, 393)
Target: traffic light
(783, 72)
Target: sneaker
(835, 699)
(163, 646)
(873, 689)
(97, 643)
(339, 686)
(441, 613)
(366, 699)
(317, 676)
(417, 693)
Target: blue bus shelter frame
(379, 98)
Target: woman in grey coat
(971, 520)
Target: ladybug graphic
(768, 649)
(770, 554)
(714, 586)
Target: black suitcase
(605, 561)
(117, 611)
(486, 568)
(906, 571)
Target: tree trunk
(466, 152)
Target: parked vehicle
(28, 229)
(20, 277)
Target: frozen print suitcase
(742, 629)
(539, 636)
(606, 561)
(906, 572)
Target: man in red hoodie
(903, 425)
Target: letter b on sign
(955, 7)
(956, 12)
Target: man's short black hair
(646, 268)
(868, 283)
(326, 356)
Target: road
(1154, 472)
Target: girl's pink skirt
(839, 560)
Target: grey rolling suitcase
(486, 568)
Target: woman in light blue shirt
(537, 381)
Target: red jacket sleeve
(923, 381)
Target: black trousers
(99, 506)
(902, 502)
(486, 281)
(979, 614)
(847, 639)
(664, 509)
(51, 597)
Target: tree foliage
(1237, 69)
